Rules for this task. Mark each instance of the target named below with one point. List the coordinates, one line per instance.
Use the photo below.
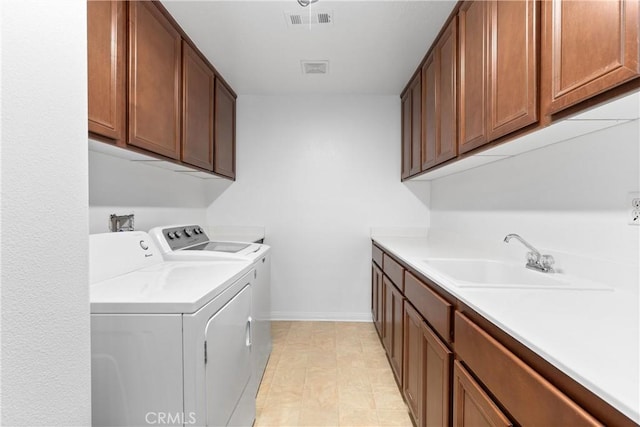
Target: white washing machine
(170, 341)
(191, 243)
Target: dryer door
(228, 367)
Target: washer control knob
(200, 230)
(144, 245)
(171, 235)
(178, 234)
(187, 232)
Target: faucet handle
(547, 262)
(533, 258)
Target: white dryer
(170, 341)
(191, 243)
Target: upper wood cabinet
(197, 110)
(512, 85)
(406, 134)
(412, 128)
(498, 70)
(588, 47)
(106, 38)
(225, 131)
(439, 103)
(155, 63)
(472, 121)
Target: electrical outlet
(633, 208)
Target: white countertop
(590, 335)
(166, 287)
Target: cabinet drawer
(430, 305)
(394, 271)
(528, 397)
(376, 255)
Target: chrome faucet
(535, 260)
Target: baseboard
(321, 317)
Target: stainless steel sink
(486, 273)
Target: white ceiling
(373, 46)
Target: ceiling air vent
(315, 67)
(307, 18)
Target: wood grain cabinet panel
(512, 85)
(412, 128)
(431, 306)
(472, 407)
(416, 124)
(412, 364)
(406, 134)
(426, 371)
(447, 148)
(588, 47)
(154, 80)
(498, 69)
(106, 48)
(225, 131)
(377, 297)
(439, 100)
(394, 270)
(430, 119)
(197, 109)
(529, 398)
(393, 327)
(472, 123)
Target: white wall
(318, 172)
(154, 195)
(568, 197)
(46, 377)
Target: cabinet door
(416, 124)
(154, 81)
(396, 318)
(446, 148)
(436, 372)
(588, 47)
(412, 364)
(471, 405)
(429, 111)
(406, 134)
(197, 110)
(106, 48)
(225, 132)
(512, 64)
(473, 75)
(376, 297)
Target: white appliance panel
(228, 368)
(136, 364)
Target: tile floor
(328, 374)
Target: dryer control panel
(184, 236)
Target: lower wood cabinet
(529, 398)
(423, 329)
(426, 370)
(393, 328)
(377, 297)
(472, 407)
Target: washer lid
(169, 287)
